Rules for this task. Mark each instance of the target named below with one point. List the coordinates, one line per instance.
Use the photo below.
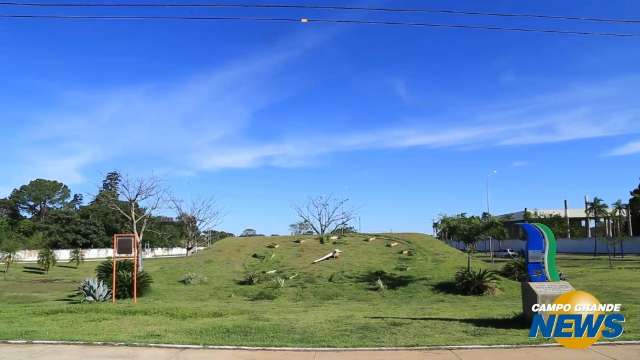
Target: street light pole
(493, 172)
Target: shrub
(8, 250)
(124, 278)
(47, 259)
(515, 269)
(279, 282)
(77, 257)
(193, 279)
(476, 282)
(250, 278)
(265, 295)
(94, 290)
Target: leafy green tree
(47, 259)
(469, 230)
(76, 202)
(8, 246)
(598, 210)
(634, 210)
(248, 232)
(77, 257)
(9, 209)
(65, 228)
(39, 196)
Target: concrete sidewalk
(86, 352)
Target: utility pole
(566, 216)
(629, 219)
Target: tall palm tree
(598, 209)
(618, 211)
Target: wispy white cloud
(590, 111)
(519, 163)
(163, 124)
(626, 149)
(203, 123)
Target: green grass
(327, 304)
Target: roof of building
(519, 215)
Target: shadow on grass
(67, 266)
(33, 270)
(517, 321)
(70, 299)
(390, 280)
(447, 287)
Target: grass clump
(193, 279)
(515, 269)
(476, 282)
(265, 295)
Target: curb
(298, 349)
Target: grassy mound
(265, 291)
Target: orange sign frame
(116, 257)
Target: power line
(326, 7)
(316, 20)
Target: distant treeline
(44, 213)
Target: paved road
(83, 352)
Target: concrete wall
(92, 254)
(566, 246)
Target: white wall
(91, 254)
(566, 246)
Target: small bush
(94, 290)
(250, 278)
(124, 278)
(515, 269)
(265, 295)
(279, 282)
(47, 259)
(193, 279)
(77, 257)
(340, 277)
(472, 282)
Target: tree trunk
(595, 238)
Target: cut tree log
(393, 244)
(332, 255)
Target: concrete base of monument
(541, 293)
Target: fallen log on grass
(332, 255)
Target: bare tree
(196, 216)
(325, 214)
(137, 199)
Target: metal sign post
(125, 246)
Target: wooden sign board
(124, 245)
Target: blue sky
(406, 122)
